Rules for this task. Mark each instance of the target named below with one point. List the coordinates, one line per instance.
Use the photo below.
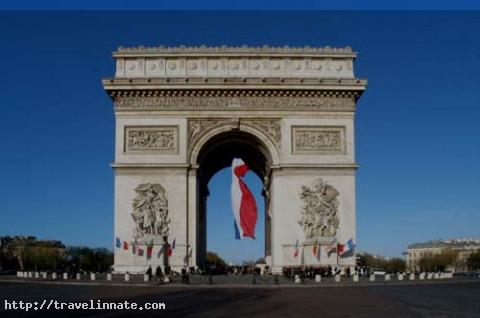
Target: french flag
(244, 206)
(347, 247)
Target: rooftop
(241, 62)
(458, 242)
(235, 50)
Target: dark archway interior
(218, 154)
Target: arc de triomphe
(183, 113)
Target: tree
(28, 253)
(43, 257)
(213, 260)
(395, 265)
(88, 259)
(438, 262)
(18, 247)
(473, 261)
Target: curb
(229, 286)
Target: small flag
(118, 242)
(315, 249)
(295, 253)
(319, 252)
(171, 248)
(150, 249)
(140, 252)
(125, 245)
(348, 247)
(332, 248)
(340, 248)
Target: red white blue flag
(347, 247)
(171, 248)
(244, 207)
(295, 249)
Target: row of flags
(334, 247)
(138, 250)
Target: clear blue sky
(418, 124)
(242, 4)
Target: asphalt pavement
(455, 298)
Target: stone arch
(269, 145)
(213, 152)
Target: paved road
(438, 299)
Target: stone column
(192, 218)
(276, 246)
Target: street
(436, 299)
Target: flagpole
(338, 263)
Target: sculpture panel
(319, 215)
(156, 139)
(150, 211)
(318, 140)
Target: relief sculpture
(319, 215)
(151, 139)
(318, 140)
(150, 211)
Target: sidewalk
(246, 282)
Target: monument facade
(183, 113)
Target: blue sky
(418, 124)
(241, 5)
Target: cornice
(232, 87)
(248, 78)
(231, 80)
(220, 93)
(234, 50)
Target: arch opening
(217, 154)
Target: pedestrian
(158, 274)
(185, 278)
(149, 272)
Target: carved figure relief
(150, 211)
(318, 140)
(319, 215)
(159, 139)
(221, 103)
(271, 127)
(196, 127)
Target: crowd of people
(288, 272)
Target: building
(183, 113)
(462, 247)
